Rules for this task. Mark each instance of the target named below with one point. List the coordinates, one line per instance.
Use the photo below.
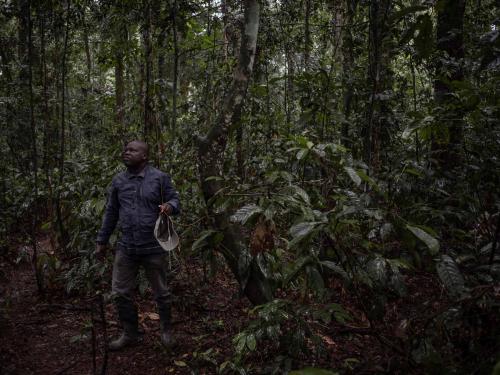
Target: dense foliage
(365, 150)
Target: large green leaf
(431, 242)
(336, 269)
(296, 268)
(245, 213)
(406, 11)
(377, 270)
(314, 279)
(244, 261)
(251, 342)
(262, 264)
(370, 181)
(450, 275)
(297, 190)
(302, 153)
(301, 230)
(203, 240)
(353, 175)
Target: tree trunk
(347, 68)
(450, 46)
(47, 163)
(378, 119)
(120, 32)
(307, 35)
(21, 139)
(34, 151)
(210, 152)
(148, 63)
(62, 231)
(175, 78)
(161, 90)
(88, 57)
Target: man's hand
(100, 251)
(166, 209)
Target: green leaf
(302, 154)
(370, 181)
(312, 371)
(301, 193)
(377, 270)
(180, 363)
(406, 11)
(450, 275)
(422, 235)
(339, 313)
(245, 213)
(315, 280)
(214, 178)
(496, 369)
(353, 175)
(262, 263)
(244, 262)
(336, 269)
(203, 240)
(46, 226)
(296, 268)
(240, 343)
(301, 230)
(251, 342)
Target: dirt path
(54, 337)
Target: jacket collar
(140, 174)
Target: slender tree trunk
(120, 41)
(307, 35)
(211, 150)
(62, 231)
(450, 46)
(88, 57)
(21, 139)
(162, 76)
(378, 119)
(347, 68)
(414, 87)
(34, 153)
(47, 131)
(176, 68)
(148, 64)
(120, 95)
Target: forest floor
(53, 335)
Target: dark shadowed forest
(338, 168)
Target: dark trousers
(125, 271)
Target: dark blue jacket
(133, 201)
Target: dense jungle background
(338, 164)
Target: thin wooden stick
(105, 335)
(94, 351)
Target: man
(136, 197)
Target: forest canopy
(318, 148)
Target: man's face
(134, 154)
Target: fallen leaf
(152, 316)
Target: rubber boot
(130, 335)
(127, 338)
(166, 336)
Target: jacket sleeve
(170, 195)
(111, 215)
